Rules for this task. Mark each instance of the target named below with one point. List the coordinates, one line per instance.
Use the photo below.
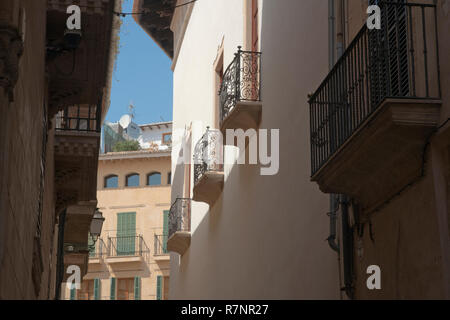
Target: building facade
(54, 94)
(363, 148)
(130, 260)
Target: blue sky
(142, 76)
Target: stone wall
(21, 143)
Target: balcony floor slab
(384, 154)
(209, 187)
(179, 242)
(245, 115)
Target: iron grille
(161, 244)
(399, 61)
(180, 216)
(208, 155)
(241, 81)
(127, 246)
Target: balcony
(208, 167)
(98, 252)
(127, 249)
(372, 115)
(179, 226)
(240, 92)
(161, 253)
(77, 141)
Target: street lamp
(96, 226)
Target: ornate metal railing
(208, 155)
(180, 216)
(241, 81)
(161, 244)
(400, 60)
(78, 117)
(127, 246)
(99, 250)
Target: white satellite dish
(125, 121)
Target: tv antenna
(131, 110)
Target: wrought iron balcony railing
(399, 61)
(208, 155)
(161, 244)
(127, 246)
(99, 250)
(79, 117)
(180, 216)
(241, 81)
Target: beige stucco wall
(265, 236)
(148, 202)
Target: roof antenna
(131, 109)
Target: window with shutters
(113, 289)
(125, 289)
(137, 288)
(159, 284)
(86, 292)
(388, 53)
(126, 233)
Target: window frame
(151, 174)
(105, 179)
(164, 135)
(128, 176)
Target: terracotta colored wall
(149, 203)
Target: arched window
(154, 179)
(132, 180)
(169, 178)
(111, 181)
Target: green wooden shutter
(126, 233)
(165, 230)
(96, 289)
(159, 288)
(72, 292)
(137, 288)
(113, 289)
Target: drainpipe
(340, 28)
(333, 217)
(347, 248)
(60, 259)
(331, 33)
(331, 60)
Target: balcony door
(126, 233)
(388, 53)
(86, 291)
(125, 289)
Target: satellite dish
(125, 121)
